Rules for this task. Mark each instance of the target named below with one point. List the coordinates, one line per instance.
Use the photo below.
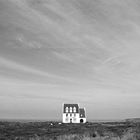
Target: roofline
(70, 103)
(83, 108)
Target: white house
(73, 114)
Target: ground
(58, 131)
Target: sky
(69, 51)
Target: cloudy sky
(72, 51)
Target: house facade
(73, 114)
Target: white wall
(75, 119)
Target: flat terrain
(58, 131)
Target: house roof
(82, 112)
(71, 106)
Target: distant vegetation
(57, 131)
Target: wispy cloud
(74, 51)
(23, 68)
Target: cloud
(79, 51)
(26, 69)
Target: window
(67, 110)
(74, 114)
(74, 119)
(70, 109)
(67, 115)
(74, 109)
(70, 115)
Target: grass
(88, 131)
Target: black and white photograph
(69, 69)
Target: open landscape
(125, 130)
(80, 54)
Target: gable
(82, 113)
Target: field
(58, 131)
